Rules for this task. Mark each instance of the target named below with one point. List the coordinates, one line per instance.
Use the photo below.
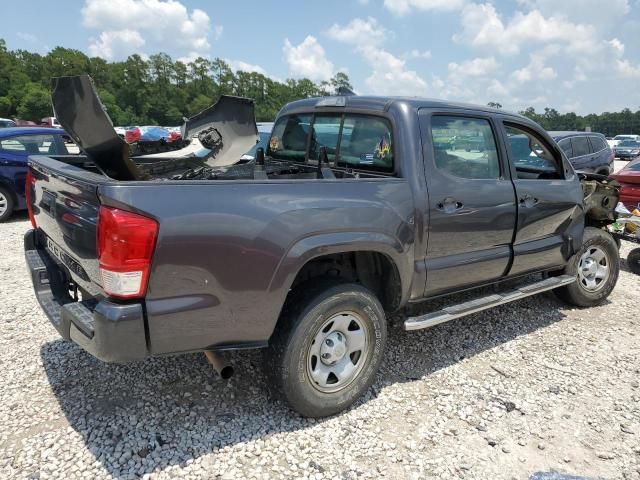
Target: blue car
(16, 144)
(587, 151)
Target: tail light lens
(125, 247)
(30, 184)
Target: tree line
(139, 91)
(161, 91)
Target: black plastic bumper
(109, 331)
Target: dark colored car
(16, 144)
(355, 214)
(587, 151)
(627, 149)
(629, 179)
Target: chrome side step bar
(483, 303)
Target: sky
(571, 55)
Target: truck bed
(227, 250)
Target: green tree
(35, 104)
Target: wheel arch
(367, 251)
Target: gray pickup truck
(359, 207)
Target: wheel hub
(593, 269)
(590, 267)
(333, 348)
(338, 352)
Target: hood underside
(219, 135)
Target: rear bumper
(109, 331)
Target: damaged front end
(216, 137)
(601, 195)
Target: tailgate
(65, 207)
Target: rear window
(597, 143)
(565, 145)
(360, 142)
(289, 138)
(580, 146)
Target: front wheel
(596, 267)
(327, 348)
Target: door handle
(449, 205)
(528, 201)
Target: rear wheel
(327, 348)
(633, 261)
(6, 204)
(596, 267)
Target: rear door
(582, 158)
(471, 200)
(549, 197)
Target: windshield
(629, 143)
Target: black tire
(578, 293)
(6, 201)
(633, 261)
(289, 358)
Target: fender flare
(306, 249)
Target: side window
(325, 133)
(580, 146)
(597, 143)
(565, 145)
(530, 155)
(465, 147)
(366, 143)
(31, 145)
(289, 138)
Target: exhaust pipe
(219, 364)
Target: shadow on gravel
(17, 217)
(149, 415)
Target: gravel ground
(532, 386)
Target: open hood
(220, 134)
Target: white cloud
(535, 70)
(160, 24)
(627, 70)
(27, 37)
(415, 53)
(617, 46)
(239, 65)
(308, 59)
(359, 32)
(483, 27)
(402, 7)
(390, 75)
(116, 43)
(217, 31)
(478, 67)
(598, 13)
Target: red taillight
(132, 135)
(125, 247)
(30, 184)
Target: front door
(550, 212)
(471, 201)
